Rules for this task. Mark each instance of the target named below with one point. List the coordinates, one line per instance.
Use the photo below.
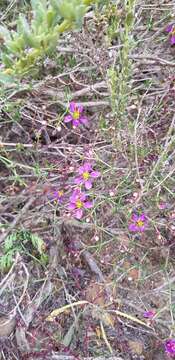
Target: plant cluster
(22, 48)
(23, 242)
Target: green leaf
(72, 11)
(9, 242)
(38, 243)
(6, 261)
(5, 33)
(54, 4)
(129, 19)
(39, 12)
(44, 259)
(16, 46)
(6, 79)
(32, 40)
(7, 60)
(22, 25)
(66, 10)
(24, 31)
(81, 10)
(89, 2)
(132, 3)
(50, 18)
(39, 4)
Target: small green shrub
(23, 242)
(32, 40)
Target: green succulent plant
(35, 39)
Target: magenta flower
(75, 115)
(139, 223)
(171, 30)
(162, 205)
(78, 202)
(87, 175)
(170, 347)
(58, 195)
(149, 314)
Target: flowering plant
(149, 314)
(139, 223)
(171, 30)
(86, 175)
(170, 347)
(78, 202)
(75, 115)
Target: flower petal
(78, 181)
(68, 118)
(170, 346)
(75, 195)
(133, 227)
(57, 195)
(149, 314)
(135, 217)
(95, 174)
(88, 184)
(141, 228)
(75, 122)
(142, 217)
(88, 204)
(172, 40)
(83, 120)
(169, 28)
(87, 166)
(71, 206)
(79, 213)
(83, 197)
(80, 108)
(81, 170)
(72, 106)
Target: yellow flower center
(60, 193)
(76, 114)
(86, 175)
(140, 223)
(79, 204)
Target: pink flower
(162, 205)
(171, 29)
(139, 223)
(149, 314)
(58, 195)
(75, 115)
(87, 175)
(78, 202)
(170, 347)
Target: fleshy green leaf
(22, 25)
(66, 10)
(7, 60)
(5, 33)
(50, 18)
(16, 46)
(129, 19)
